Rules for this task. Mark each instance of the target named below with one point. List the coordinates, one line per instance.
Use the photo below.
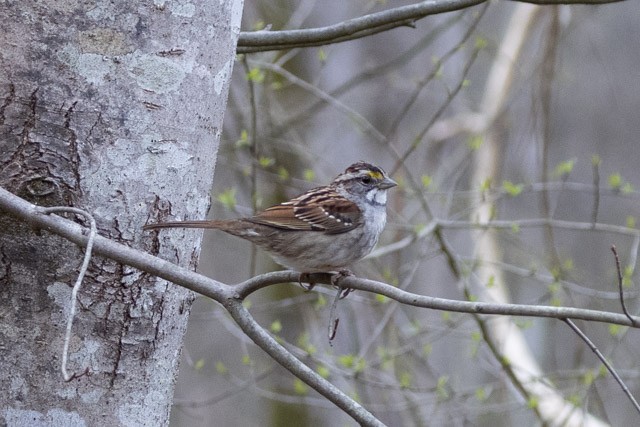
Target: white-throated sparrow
(323, 230)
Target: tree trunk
(115, 108)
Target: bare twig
(596, 190)
(604, 361)
(76, 287)
(620, 287)
(333, 319)
(261, 41)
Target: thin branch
(620, 289)
(333, 319)
(595, 163)
(262, 41)
(604, 361)
(264, 280)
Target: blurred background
(506, 111)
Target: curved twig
(262, 41)
(76, 287)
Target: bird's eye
(366, 180)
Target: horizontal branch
(246, 288)
(261, 41)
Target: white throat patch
(376, 196)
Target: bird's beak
(387, 183)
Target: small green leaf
(322, 55)
(523, 324)
(321, 302)
(304, 343)
(533, 402)
(602, 371)
(615, 330)
(426, 181)
(588, 377)
(360, 364)
(481, 43)
(247, 304)
(512, 189)
(486, 185)
(265, 161)
(199, 364)
(615, 181)
(515, 228)
(323, 371)
(417, 228)
(596, 160)
(405, 379)
(476, 336)
(441, 387)
(427, 349)
(491, 282)
(575, 399)
(258, 25)
(246, 360)
(300, 387)
(276, 326)
(563, 169)
(475, 142)
(631, 221)
(346, 360)
(221, 368)
(382, 299)
(627, 188)
(481, 394)
(255, 75)
(309, 175)
(243, 141)
(228, 198)
(567, 264)
(283, 173)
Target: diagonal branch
(220, 292)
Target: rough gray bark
(115, 108)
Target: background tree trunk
(115, 108)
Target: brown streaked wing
(328, 211)
(320, 209)
(281, 216)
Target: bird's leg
(304, 277)
(335, 279)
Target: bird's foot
(335, 281)
(304, 277)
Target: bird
(325, 229)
